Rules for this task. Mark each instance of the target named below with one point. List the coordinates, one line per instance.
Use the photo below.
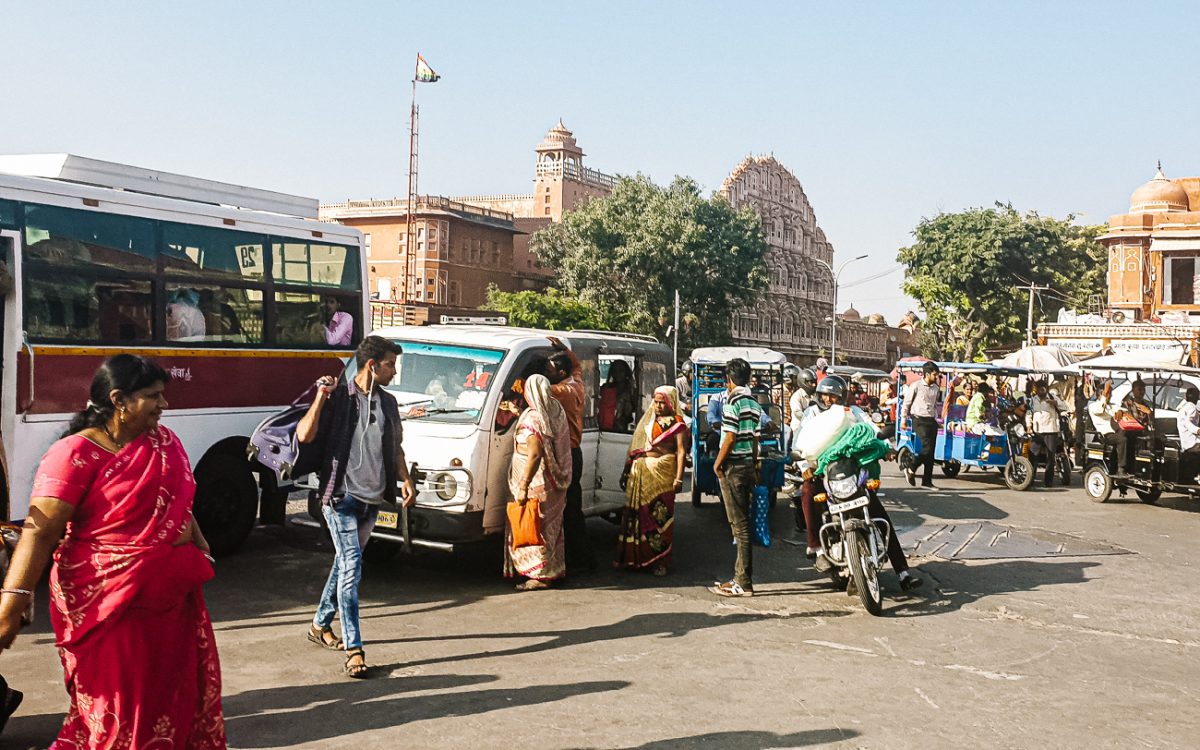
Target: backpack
(273, 443)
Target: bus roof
(107, 174)
(505, 337)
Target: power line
(872, 277)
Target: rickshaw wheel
(1018, 473)
(1097, 484)
(904, 458)
(697, 496)
(1149, 497)
(951, 468)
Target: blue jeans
(350, 521)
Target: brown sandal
(356, 670)
(318, 636)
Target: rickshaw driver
(831, 391)
(1043, 420)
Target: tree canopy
(623, 256)
(967, 269)
(549, 309)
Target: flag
(425, 73)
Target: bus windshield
(449, 382)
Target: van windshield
(449, 382)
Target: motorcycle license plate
(857, 502)
(388, 519)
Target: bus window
(315, 264)
(223, 254)
(216, 314)
(8, 215)
(309, 319)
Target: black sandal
(355, 670)
(317, 636)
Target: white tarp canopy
(719, 355)
(1042, 358)
(1128, 362)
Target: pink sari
(134, 636)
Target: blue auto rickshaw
(708, 380)
(957, 446)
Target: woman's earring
(121, 415)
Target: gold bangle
(24, 592)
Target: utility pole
(677, 329)
(833, 328)
(1033, 289)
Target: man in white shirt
(1104, 421)
(920, 403)
(1043, 421)
(1188, 420)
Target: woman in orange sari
(654, 474)
(136, 643)
(541, 472)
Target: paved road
(1098, 648)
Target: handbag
(760, 522)
(273, 443)
(526, 523)
(1129, 424)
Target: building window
(1180, 280)
(547, 211)
(367, 243)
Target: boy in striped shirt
(736, 468)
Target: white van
(463, 445)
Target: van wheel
(379, 551)
(1097, 484)
(226, 501)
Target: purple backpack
(273, 443)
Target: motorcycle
(854, 542)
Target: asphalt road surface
(1046, 621)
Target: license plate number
(857, 502)
(387, 519)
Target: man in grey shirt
(920, 403)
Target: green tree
(549, 310)
(966, 270)
(624, 255)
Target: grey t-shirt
(365, 477)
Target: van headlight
(449, 486)
(843, 488)
(445, 485)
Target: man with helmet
(920, 403)
(683, 385)
(830, 392)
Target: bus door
(8, 358)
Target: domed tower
(558, 151)
(561, 182)
(851, 315)
(1159, 195)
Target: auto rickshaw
(708, 380)
(959, 447)
(1156, 462)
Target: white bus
(226, 287)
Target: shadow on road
(958, 584)
(751, 740)
(280, 717)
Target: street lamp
(833, 330)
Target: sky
(885, 112)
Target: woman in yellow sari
(654, 473)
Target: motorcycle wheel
(1064, 469)
(951, 468)
(904, 459)
(866, 576)
(1018, 473)
(1097, 484)
(1149, 497)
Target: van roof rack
(107, 174)
(641, 336)
(473, 320)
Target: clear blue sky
(886, 112)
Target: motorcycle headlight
(843, 488)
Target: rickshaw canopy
(1127, 362)
(719, 355)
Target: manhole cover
(984, 540)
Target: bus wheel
(226, 501)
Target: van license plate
(857, 502)
(388, 519)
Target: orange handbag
(526, 524)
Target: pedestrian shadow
(32, 731)
(956, 584)
(282, 717)
(947, 504)
(662, 624)
(752, 740)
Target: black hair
(738, 371)
(1192, 394)
(984, 388)
(561, 361)
(127, 373)
(929, 367)
(376, 348)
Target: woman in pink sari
(540, 471)
(134, 636)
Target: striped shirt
(740, 418)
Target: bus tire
(226, 501)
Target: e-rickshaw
(957, 446)
(1156, 463)
(708, 380)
